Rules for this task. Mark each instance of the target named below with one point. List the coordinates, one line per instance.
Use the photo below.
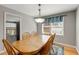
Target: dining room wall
(69, 29)
(69, 37)
(28, 24)
(77, 29)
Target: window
(53, 25)
(11, 28)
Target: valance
(54, 19)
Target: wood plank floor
(67, 51)
(70, 51)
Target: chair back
(34, 34)
(53, 37)
(9, 48)
(26, 35)
(46, 48)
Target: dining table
(30, 46)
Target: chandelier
(39, 19)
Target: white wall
(77, 29)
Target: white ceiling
(46, 9)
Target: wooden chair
(34, 34)
(47, 47)
(26, 35)
(9, 48)
(53, 37)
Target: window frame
(53, 27)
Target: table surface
(31, 45)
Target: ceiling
(46, 9)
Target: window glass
(53, 25)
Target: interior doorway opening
(12, 31)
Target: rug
(57, 50)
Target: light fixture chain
(39, 10)
(39, 19)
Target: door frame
(4, 24)
(17, 31)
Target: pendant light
(39, 19)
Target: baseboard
(65, 44)
(2, 52)
(77, 50)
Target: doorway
(12, 31)
(12, 27)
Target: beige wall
(28, 24)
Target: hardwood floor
(67, 51)
(70, 51)
(5, 53)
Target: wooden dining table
(29, 46)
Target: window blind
(54, 19)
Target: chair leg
(53, 50)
